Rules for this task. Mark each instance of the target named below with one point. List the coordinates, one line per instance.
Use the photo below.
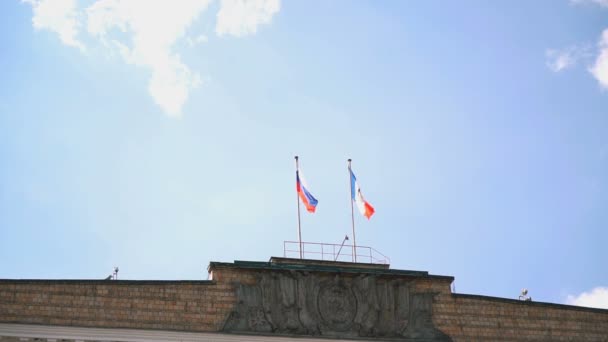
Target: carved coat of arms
(299, 303)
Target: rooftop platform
(325, 266)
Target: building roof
(289, 264)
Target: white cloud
(599, 70)
(603, 3)
(242, 17)
(144, 33)
(596, 298)
(59, 16)
(197, 40)
(558, 60)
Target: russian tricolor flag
(307, 198)
(365, 208)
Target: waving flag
(364, 207)
(307, 198)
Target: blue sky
(161, 138)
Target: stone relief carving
(300, 303)
(337, 306)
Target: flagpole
(352, 211)
(298, 200)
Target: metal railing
(333, 252)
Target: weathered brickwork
(205, 306)
(191, 306)
(478, 318)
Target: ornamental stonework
(342, 306)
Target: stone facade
(286, 297)
(344, 304)
(169, 305)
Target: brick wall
(205, 305)
(168, 305)
(480, 318)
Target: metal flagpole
(298, 200)
(352, 210)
